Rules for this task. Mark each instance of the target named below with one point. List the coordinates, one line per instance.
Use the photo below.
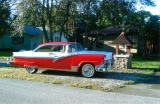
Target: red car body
(64, 56)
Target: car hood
(109, 55)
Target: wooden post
(117, 49)
(128, 50)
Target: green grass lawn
(139, 62)
(4, 54)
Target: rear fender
(86, 62)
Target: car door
(54, 57)
(42, 56)
(60, 59)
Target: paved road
(149, 87)
(13, 91)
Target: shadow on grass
(137, 78)
(60, 73)
(73, 74)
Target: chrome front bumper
(107, 65)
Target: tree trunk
(44, 22)
(49, 16)
(45, 32)
(140, 47)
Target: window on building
(100, 42)
(56, 39)
(17, 40)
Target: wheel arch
(83, 63)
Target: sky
(154, 10)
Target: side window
(44, 49)
(57, 48)
(51, 48)
(73, 48)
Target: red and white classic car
(64, 56)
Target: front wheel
(31, 70)
(88, 70)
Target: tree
(146, 26)
(119, 10)
(4, 17)
(62, 15)
(87, 14)
(152, 34)
(36, 13)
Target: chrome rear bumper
(9, 60)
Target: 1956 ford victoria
(64, 56)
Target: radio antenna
(75, 44)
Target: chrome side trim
(49, 57)
(73, 69)
(58, 58)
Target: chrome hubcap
(30, 69)
(88, 71)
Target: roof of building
(31, 30)
(122, 39)
(111, 30)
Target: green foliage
(62, 15)
(4, 17)
(5, 54)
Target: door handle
(55, 58)
(51, 54)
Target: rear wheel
(88, 70)
(31, 70)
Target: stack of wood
(121, 63)
(3, 60)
